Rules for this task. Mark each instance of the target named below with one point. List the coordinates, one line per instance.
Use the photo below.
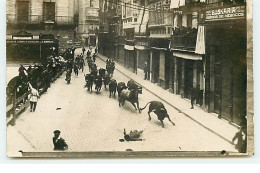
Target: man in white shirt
(34, 96)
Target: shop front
(226, 73)
(188, 78)
(31, 48)
(160, 62)
(121, 50)
(129, 61)
(142, 55)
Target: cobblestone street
(95, 122)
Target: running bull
(159, 109)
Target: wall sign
(29, 41)
(22, 38)
(142, 43)
(228, 13)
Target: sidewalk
(209, 121)
(17, 143)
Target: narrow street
(95, 122)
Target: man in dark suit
(58, 142)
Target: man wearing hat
(58, 142)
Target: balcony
(159, 20)
(93, 31)
(184, 39)
(220, 3)
(162, 32)
(31, 19)
(38, 19)
(92, 18)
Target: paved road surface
(95, 122)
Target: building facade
(187, 50)
(88, 22)
(36, 17)
(194, 48)
(110, 28)
(160, 28)
(225, 58)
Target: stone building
(34, 18)
(88, 22)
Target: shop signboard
(142, 43)
(225, 13)
(29, 41)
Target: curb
(212, 131)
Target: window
(49, 11)
(22, 11)
(179, 21)
(189, 20)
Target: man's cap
(56, 131)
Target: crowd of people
(35, 78)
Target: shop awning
(200, 44)
(128, 47)
(158, 48)
(187, 56)
(140, 47)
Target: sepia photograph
(129, 78)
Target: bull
(159, 109)
(132, 85)
(102, 72)
(120, 87)
(130, 96)
(98, 82)
(112, 87)
(89, 81)
(106, 80)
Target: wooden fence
(18, 105)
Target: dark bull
(159, 109)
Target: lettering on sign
(139, 43)
(226, 13)
(22, 38)
(47, 41)
(177, 12)
(8, 36)
(36, 37)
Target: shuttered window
(49, 11)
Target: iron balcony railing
(216, 3)
(37, 19)
(184, 39)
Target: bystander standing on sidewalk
(34, 96)
(83, 50)
(58, 142)
(76, 70)
(146, 70)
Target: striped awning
(187, 56)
